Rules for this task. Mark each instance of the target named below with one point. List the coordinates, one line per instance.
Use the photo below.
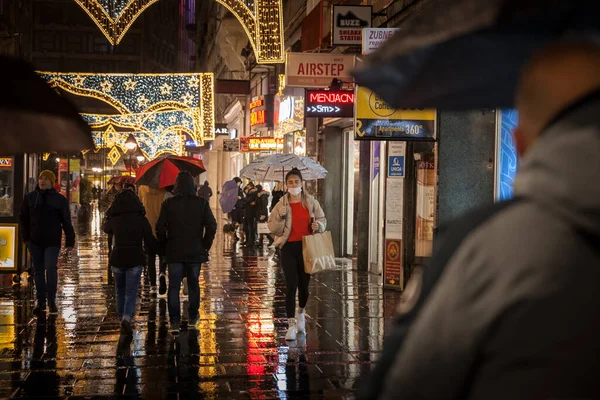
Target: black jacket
(205, 192)
(262, 206)
(44, 215)
(250, 207)
(186, 226)
(241, 202)
(277, 195)
(127, 223)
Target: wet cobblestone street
(238, 350)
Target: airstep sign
(317, 70)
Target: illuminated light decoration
(258, 117)
(295, 122)
(281, 84)
(192, 93)
(207, 109)
(114, 156)
(151, 144)
(263, 24)
(264, 27)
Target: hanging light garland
(262, 20)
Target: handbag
(318, 253)
(263, 228)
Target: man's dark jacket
(186, 226)
(127, 223)
(44, 215)
(250, 207)
(205, 192)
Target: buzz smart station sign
(329, 104)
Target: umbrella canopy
(124, 179)
(162, 172)
(34, 117)
(466, 54)
(229, 196)
(274, 167)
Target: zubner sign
(317, 70)
(348, 24)
(373, 38)
(325, 103)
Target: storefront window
(6, 187)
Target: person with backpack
(186, 229)
(508, 306)
(127, 223)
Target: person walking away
(128, 224)
(186, 229)
(297, 214)
(108, 200)
(262, 212)
(44, 216)
(152, 199)
(277, 194)
(205, 191)
(237, 214)
(514, 312)
(250, 215)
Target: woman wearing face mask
(296, 215)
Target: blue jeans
(127, 281)
(176, 274)
(46, 276)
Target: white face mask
(295, 191)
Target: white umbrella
(274, 167)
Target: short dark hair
(294, 172)
(259, 188)
(237, 179)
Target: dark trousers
(177, 271)
(162, 267)
(296, 279)
(46, 275)
(250, 230)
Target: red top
(300, 222)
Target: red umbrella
(162, 172)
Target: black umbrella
(467, 54)
(33, 117)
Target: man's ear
(520, 141)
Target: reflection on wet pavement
(237, 350)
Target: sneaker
(291, 332)
(153, 290)
(174, 328)
(192, 322)
(126, 327)
(39, 309)
(53, 308)
(185, 287)
(301, 321)
(162, 286)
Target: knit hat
(48, 174)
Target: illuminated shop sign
(286, 109)
(258, 117)
(249, 143)
(5, 162)
(257, 103)
(325, 103)
(193, 143)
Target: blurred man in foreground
(514, 314)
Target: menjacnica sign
(325, 103)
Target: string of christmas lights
(262, 20)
